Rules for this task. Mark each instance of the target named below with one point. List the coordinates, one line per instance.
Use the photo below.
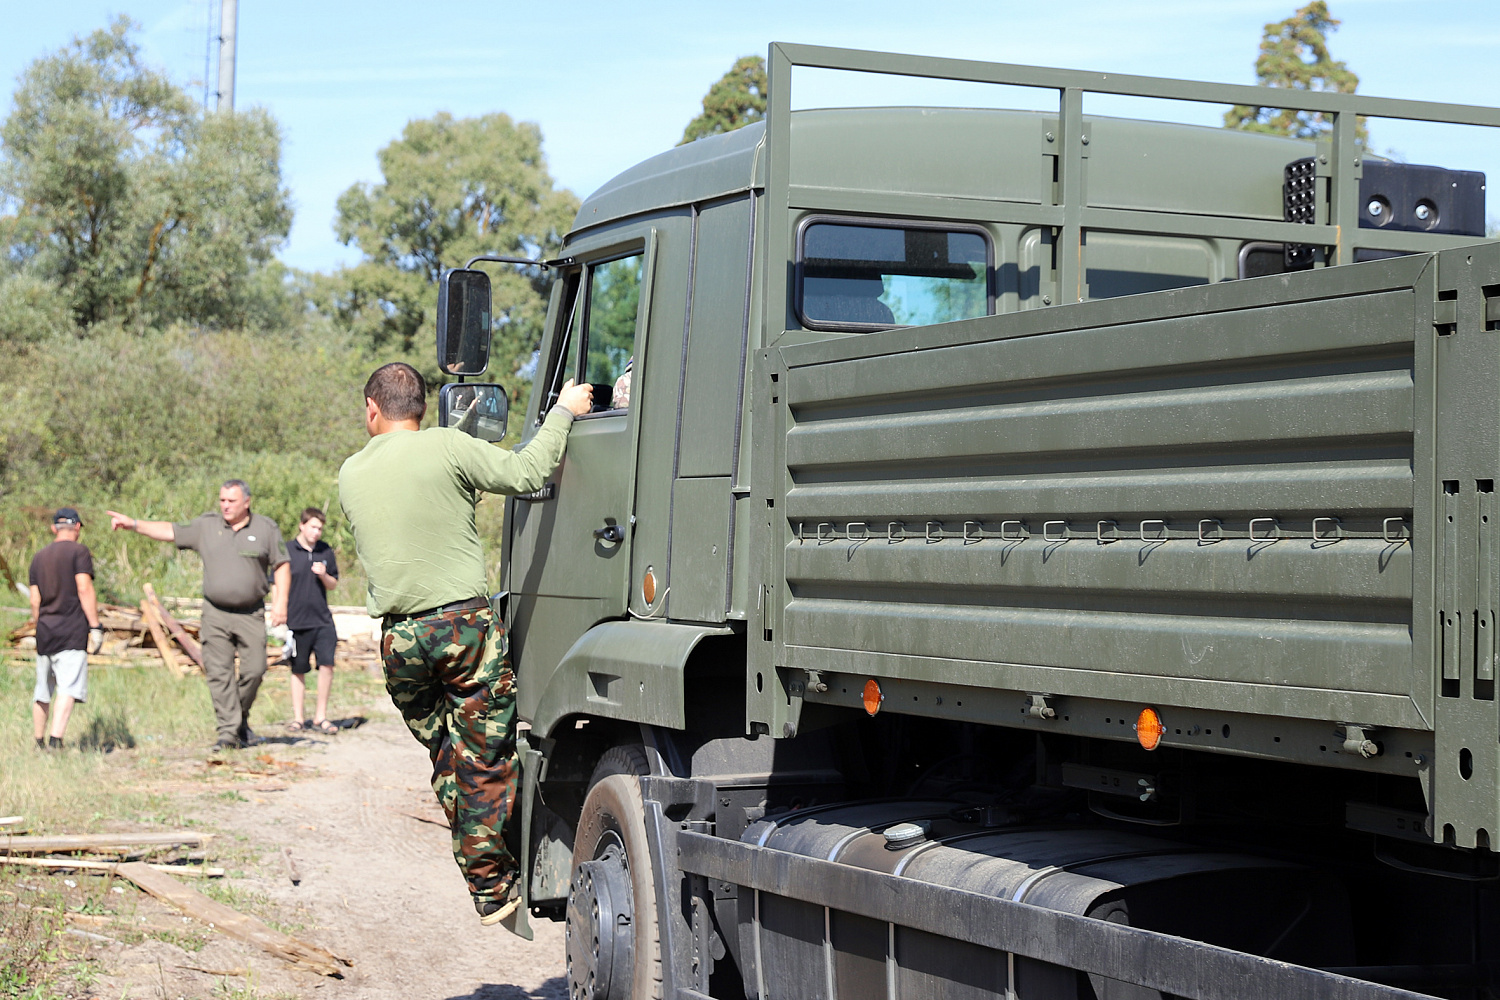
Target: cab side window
(597, 345)
(874, 275)
(609, 332)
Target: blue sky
(611, 84)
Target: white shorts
(66, 673)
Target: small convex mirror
(463, 322)
(476, 408)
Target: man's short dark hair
(313, 512)
(238, 484)
(399, 390)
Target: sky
(612, 84)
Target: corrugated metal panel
(1200, 497)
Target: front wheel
(613, 947)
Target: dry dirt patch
(377, 885)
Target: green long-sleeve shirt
(410, 495)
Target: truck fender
(626, 670)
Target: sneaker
(224, 743)
(493, 911)
(248, 737)
(54, 743)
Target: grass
(141, 733)
(31, 944)
(137, 724)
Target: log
(233, 923)
(217, 972)
(160, 637)
(99, 842)
(107, 866)
(188, 645)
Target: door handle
(610, 533)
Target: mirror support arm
(495, 259)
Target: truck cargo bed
(1228, 499)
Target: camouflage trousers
(449, 675)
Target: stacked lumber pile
(121, 857)
(146, 632)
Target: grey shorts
(64, 673)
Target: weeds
(31, 939)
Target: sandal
(324, 726)
(295, 726)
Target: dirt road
(379, 886)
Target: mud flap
(519, 923)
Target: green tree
(737, 99)
(1294, 56)
(451, 189)
(116, 190)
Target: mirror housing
(479, 409)
(463, 323)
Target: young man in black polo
(315, 571)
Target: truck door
(570, 544)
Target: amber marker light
(1148, 729)
(873, 696)
(648, 587)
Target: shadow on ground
(107, 731)
(555, 988)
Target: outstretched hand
(118, 521)
(578, 399)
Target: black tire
(629, 758)
(612, 865)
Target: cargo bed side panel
(1207, 507)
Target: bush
(152, 423)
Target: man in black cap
(66, 613)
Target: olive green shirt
(236, 564)
(410, 495)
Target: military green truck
(1027, 554)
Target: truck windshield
(874, 276)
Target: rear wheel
(613, 946)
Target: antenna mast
(228, 21)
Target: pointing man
(239, 549)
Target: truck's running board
(1171, 965)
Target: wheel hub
(601, 928)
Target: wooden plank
(159, 635)
(98, 841)
(81, 864)
(233, 923)
(188, 644)
(10, 820)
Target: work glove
(96, 639)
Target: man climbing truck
(1040, 555)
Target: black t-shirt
(62, 623)
(307, 602)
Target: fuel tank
(1256, 905)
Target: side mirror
(463, 323)
(478, 409)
